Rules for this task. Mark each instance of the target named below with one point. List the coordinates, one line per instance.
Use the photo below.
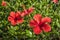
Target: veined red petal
(13, 22)
(37, 30)
(46, 19)
(12, 14)
(20, 21)
(10, 18)
(46, 28)
(37, 18)
(33, 23)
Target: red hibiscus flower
(15, 18)
(4, 3)
(27, 11)
(55, 1)
(38, 24)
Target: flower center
(41, 25)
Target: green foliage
(23, 31)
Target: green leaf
(28, 33)
(0, 2)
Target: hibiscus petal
(20, 21)
(33, 23)
(37, 30)
(24, 13)
(55, 1)
(4, 3)
(12, 14)
(10, 18)
(13, 22)
(31, 9)
(37, 18)
(18, 13)
(46, 19)
(46, 27)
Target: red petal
(37, 18)
(24, 13)
(46, 27)
(46, 19)
(33, 23)
(20, 21)
(55, 1)
(12, 14)
(30, 9)
(3, 3)
(37, 30)
(18, 13)
(10, 18)
(13, 22)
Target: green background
(23, 31)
